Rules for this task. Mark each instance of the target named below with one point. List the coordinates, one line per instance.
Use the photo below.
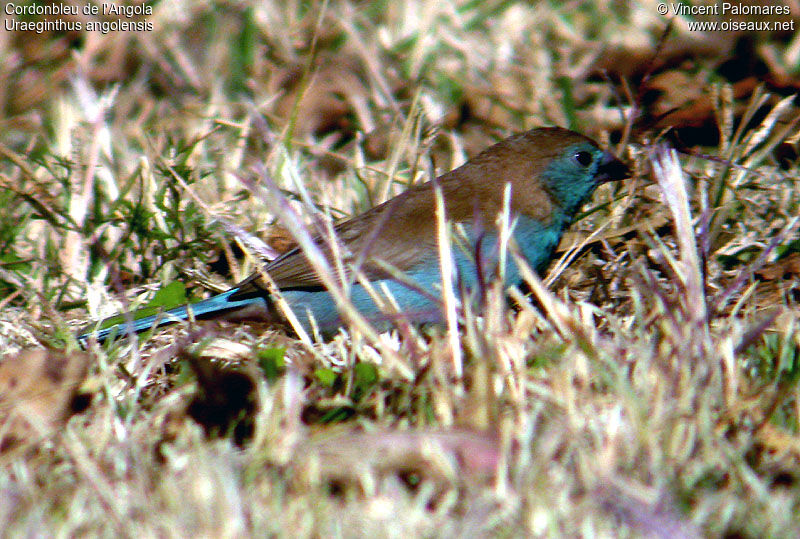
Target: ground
(646, 385)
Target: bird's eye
(583, 158)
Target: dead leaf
(444, 457)
(39, 391)
(785, 268)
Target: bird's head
(577, 168)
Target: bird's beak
(611, 169)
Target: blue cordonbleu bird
(551, 172)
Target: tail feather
(216, 306)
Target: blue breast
(535, 240)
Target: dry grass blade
(668, 173)
(448, 294)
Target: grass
(647, 385)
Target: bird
(550, 171)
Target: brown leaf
(326, 101)
(38, 393)
(444, 457)
(785, 268)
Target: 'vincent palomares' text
(727, 8)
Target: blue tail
(216, 306)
